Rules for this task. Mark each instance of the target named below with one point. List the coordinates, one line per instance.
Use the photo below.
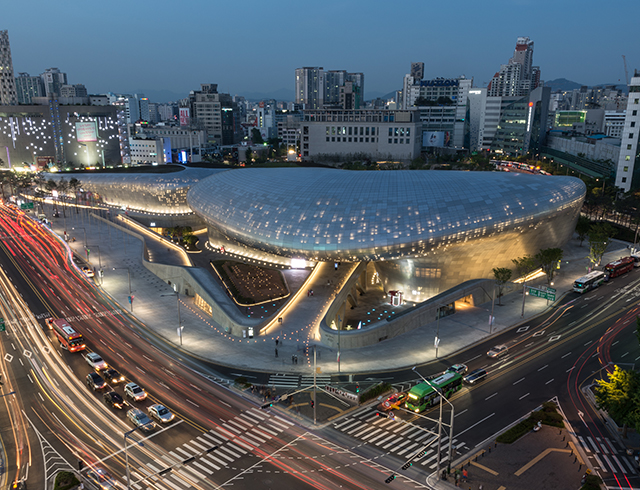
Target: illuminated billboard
(184, 116)
(86, 131)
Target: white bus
(590, 281)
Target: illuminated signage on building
(440, 82)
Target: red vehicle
(619, 267)
(394, 401)
(69, 339)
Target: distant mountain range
(564, 85)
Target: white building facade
(629, 142)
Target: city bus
(69, 339)
(588, 282)
(423, 395)
(619, 267)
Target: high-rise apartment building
(629, 151)
(53, 79)
(518, 77)
(8, 93)
(318, 89)
(28, 87)
(215, 112)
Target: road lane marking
(521, 379)
(491, 396)
(523, 396)
(570, 369)
(550, 381)
(588, 343)
(543, 367)
(566, 355)
(477, 423)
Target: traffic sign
(2, 326)
(549, 294)
(26, 205)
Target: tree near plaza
(582, 228)
(63, 188)
(256, 137)
(548, 259)
(75, 185)
(599, 237)
(619, 395)
(638, 328)
(502, 276)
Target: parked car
(113, 399)
(475, 376)
(394, 401)
(457, 368)
(160, 414)
(95, 381)
(113, 376)
(134, 392)
(140, 420)
(498, 351)
(95, 361)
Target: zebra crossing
(607, 456)
(288, 380)
(196, 460)
(397, 438)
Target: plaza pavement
(204, 339)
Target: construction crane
(626, 72)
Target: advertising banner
(433, 138)
(184, 116)
(86, 131)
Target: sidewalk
(207, 340)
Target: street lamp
(180, 327)
(126, 453)
(85, 234)
(130, 295)
(442, 397)
(99, 260)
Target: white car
(95, 361)
(87, 271)
(160, 414)
(134, 392)
(498, 351)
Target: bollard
(495, 444)
(567, 445)
(575, 460)
(483, 453)
(580, 467)
(563, 438)
(489, 448)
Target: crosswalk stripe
(615, 458)
(276, 428)
(136, 486)
(604, 447)
(343, 423)
(258, 436)
(186, 470)
(186, 446)
(629, 465)
(223, 463)
(359, 427)
(222, 434)
(146, 471)
(153, 467)
(262, 427)
(250, 419)
(611, 446)
(256, 413)
(426, 434)
(611, 465)
(352, 424)
(408, 448)
(584, 444)
(225, 449)
(392, 436)
(203, 468)
(210, 463)
(188, 455)
(206, 442)
(382, 434)
(197, 446)
(253, 439)
(428, 460)
(385, 422)
(275, 423)
(159, 486)
(169, 460)
(283, 420)
(236, 448)
(371, 434)
(172, 483)
(595, 447)
(212, 437)
(393, 449)
(232, 429)
(224, 455)
(237, 424)
(419, 430)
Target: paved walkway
(208, 340)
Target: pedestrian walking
(293, 359)
(277, 342)
(465, 475)
(276, 352)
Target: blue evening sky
(254, 46)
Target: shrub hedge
(374, 392)
(65, 480)
(548, 415)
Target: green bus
(423, 395)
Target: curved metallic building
(426, 231)
(153, 193)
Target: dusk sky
(255, 46)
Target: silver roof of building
(367, 215)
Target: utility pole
(315, 370)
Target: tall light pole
(126, 453)
(99, 261)
(442, 397)
(130, 295)
(180, 327)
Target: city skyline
(133, 47)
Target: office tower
(53, 80)
(8, 94)
(626, 170)
(518, 77)
(28, 87)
